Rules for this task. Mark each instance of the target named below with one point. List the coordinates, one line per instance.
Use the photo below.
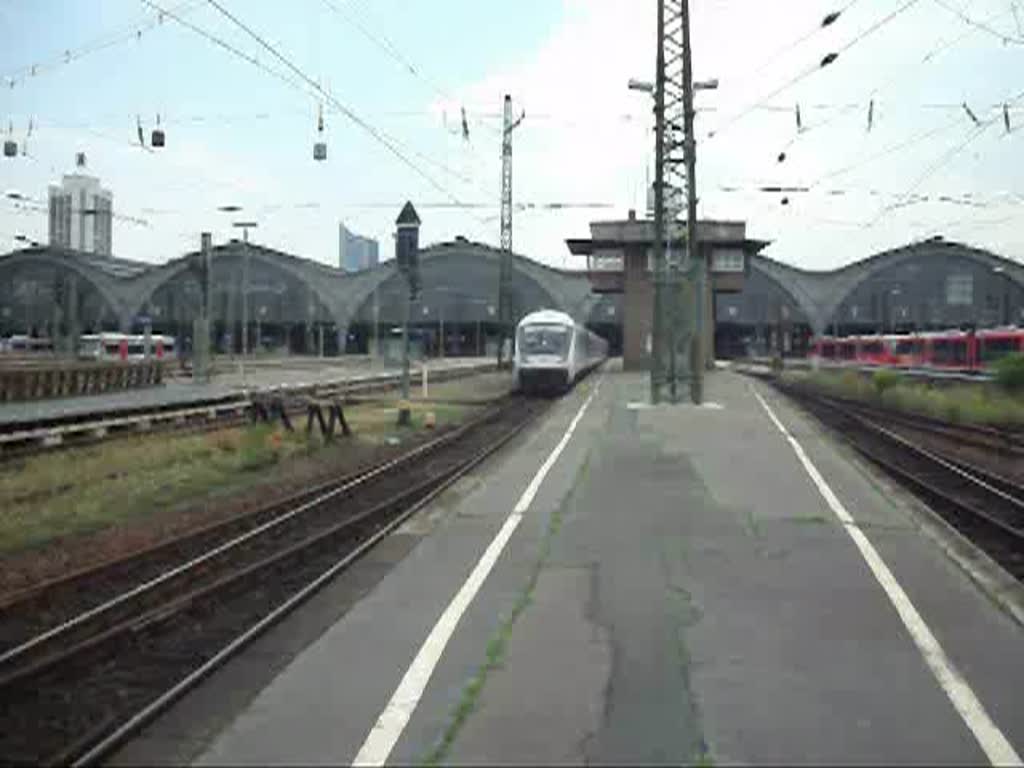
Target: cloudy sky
(86, 72)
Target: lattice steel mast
(505, 269)
(678, 276)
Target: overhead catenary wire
(872, 100)
(940, 163)
(225, 45)
(382, 42)
(828, 59)
(947, 157)
(390, 49)
(375, 133)
(984, 26)
(127, 33)
(886, 151)
(292, 83)
(827, 21)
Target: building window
(727, 260)
(960, 289)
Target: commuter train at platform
(953, 350)
(96, 346)
(553, 351)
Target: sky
(86, 73)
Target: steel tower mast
(505, 269)
(678, 283)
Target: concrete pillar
(230, 315)
(201, 350)
(637, 310)
(310, 317)
(709, 324)
(73, 324)
(57, 315)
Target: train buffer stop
(628, 583)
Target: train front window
(544, 340)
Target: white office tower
(81, 212)
(356, 252)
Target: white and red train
(954, 350)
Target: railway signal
(407, 243)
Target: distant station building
(81, 213)
(283, 302)
(620, 261)
(355, 252)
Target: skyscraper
(81, 213)
(356, 252)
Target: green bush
(968, 403)
(1010, 373)
(884, 379)
(256, 450)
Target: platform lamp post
(201, 325)
(245, 226)
(407, 240)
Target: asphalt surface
(678, 591)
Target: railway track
(26, 438)
(1008, 442)
(89, 658)
(985, 506)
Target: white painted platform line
(392, 721)
(995, 745)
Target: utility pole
(201, 325)
(679, 282)
(505, 267)
(696, 262)
(658, 320)
(245, 226)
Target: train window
(993, 349)
(872, 348)
(847, 351)
(949, 352)
(907, 347)
(89, 348)
(544, 340)
(828, 351)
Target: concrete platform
(679, 589)
(253, 375)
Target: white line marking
(392, 721)
(995, 745)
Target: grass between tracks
(63, 495)
(957, 403)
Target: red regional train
(954, 350)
